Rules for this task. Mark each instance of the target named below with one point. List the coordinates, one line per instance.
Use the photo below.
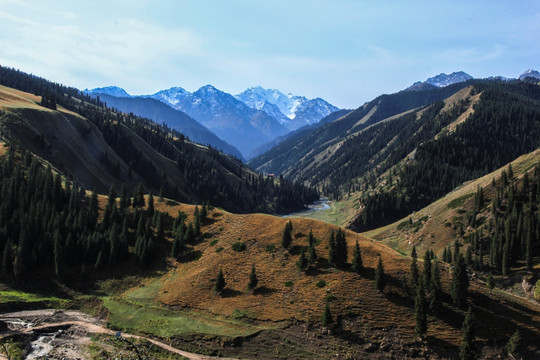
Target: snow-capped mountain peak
(530, 73)
(291, 110)
(442, 79)
(109, 90)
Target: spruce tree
(302, 260)
(312, 255)
(253, 281)
(420, 312)
(332, 252)
(150, 210)
(286, 239)
(435, 297)
(426, 272)
(467, 338)
(357, 264)
(513, 344)
(490, 282)
(380, 281)
(220, 282)
(460, 283)
(197, 222)
(326, 318)
(341, 248)
(413, 275)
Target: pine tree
(332, 254)
(435, 298)
(219, 286)
(312, 255)
(467, 338)
(341, 248)
(414, 255)
(490, 282)
(460, 283)
(302, 260)
(58, 254)
(420, 312)
(253, 281)
(413, 275)
(357, 264)
(513, 344)
(380, 281)
(286, 239)
(150, 210)
(426, 272)
(326, 318)
(197, 222)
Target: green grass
(154, 320)
(21, 296)
(137, 311)
(459, 201)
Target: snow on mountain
(170, 96)
(290, 110)
(442, 79)
(530, 73)
(108, 90)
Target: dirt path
(28, 322)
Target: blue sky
(344, 51)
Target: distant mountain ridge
(174, 119)
(254, 117)
(443, 79)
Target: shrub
(239, 246)
(321, 283)
(213, 242)
(219, 249)
(288, 283)
(270, 247)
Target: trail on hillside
(70, 331)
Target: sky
(344, 51)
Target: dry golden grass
(189, 284)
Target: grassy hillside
(437, 225)
(288, 296)
(100, 147)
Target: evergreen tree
(513, 344)
(58, 254)
(490, 282)
(426, 272)
(302, 260)
(467, 338)
(286, 239)
(413, 275)
(420, 312)
(312, 255)
(326, 318)
(253, 281)
(197, 222)
(220, 282)
(189, 235)
(435, 298)
(332, 252)
(150, 210)
(414, 255)
(380, 281)
(460, 283)
(341, 248)
(357, 264)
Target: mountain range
(245, 121)
(450, 171)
